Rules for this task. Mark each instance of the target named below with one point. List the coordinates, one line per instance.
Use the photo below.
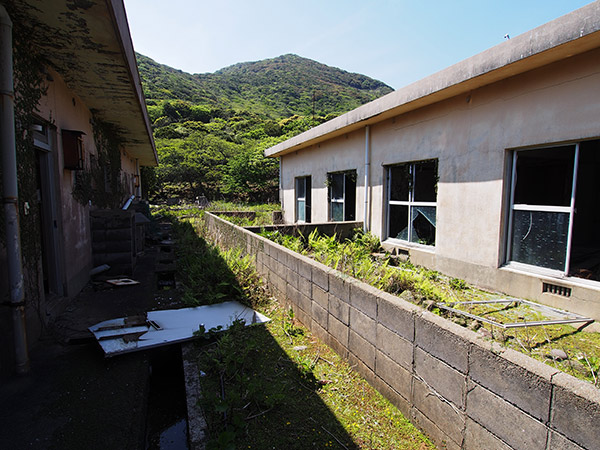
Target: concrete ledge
(463, 391)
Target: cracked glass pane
(540, 238)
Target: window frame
(343, 200)
(410, 203)
(570, 210)
(306, 179)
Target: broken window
(412, 196)
(303, 199)
(342, 195)
(554, 209)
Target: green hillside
(211, 129)
(277, 88)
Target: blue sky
(397, 42)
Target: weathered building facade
(81, 134)
(485, 171)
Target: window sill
(550, 275)
(405, 245)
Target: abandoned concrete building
(487, 170)
(80, 135)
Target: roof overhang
(569, 35)
(88, 43)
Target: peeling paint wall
(62, 108)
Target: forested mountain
(211, 129)
(277, 88)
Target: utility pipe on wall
(10, 198)
(366, 221)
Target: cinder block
(305, 268)
(339, 287)
(439, 438)
(394, 315)
(292, 294)
(446, 381)
(397, 348)
(268, 247)
(557, 441)
(292, 278)
(394, 375)
(320, 296)
(576, 410)
(443, 339)
(361, 368)
(507, 422)
(281, 270)
(304, 302)
(337, 346)
(292, 261)
(320, 277)
(320, 332)
(362, 349)
(305, 286)
(278, 283)
(447, 418)
(339, 309)
(363, 325)
(478, 438)
(393, 396)
(364, 298)
(319, 315)
(338, 330)
(514, 376)
(303, 317)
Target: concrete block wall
(461, 390)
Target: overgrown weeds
(579, 352)
(277, 386)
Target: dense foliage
(211, 129)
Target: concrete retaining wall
(461, 390)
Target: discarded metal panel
(556, 316)
(157, 328)
(122, 282)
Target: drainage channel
(166, 422)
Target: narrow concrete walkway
(74, 398)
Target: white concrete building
(487, 170)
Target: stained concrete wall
(471, 135)
(463, 391)
(64, 109)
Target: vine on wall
(101, 183)
(29, 87)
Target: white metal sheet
(169, 326)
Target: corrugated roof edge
(571, 34)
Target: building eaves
(88, 43)
(569, 35)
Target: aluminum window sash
(572, 210)
(403, 203)
(513, 185)
(542, 208)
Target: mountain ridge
(275, 87)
